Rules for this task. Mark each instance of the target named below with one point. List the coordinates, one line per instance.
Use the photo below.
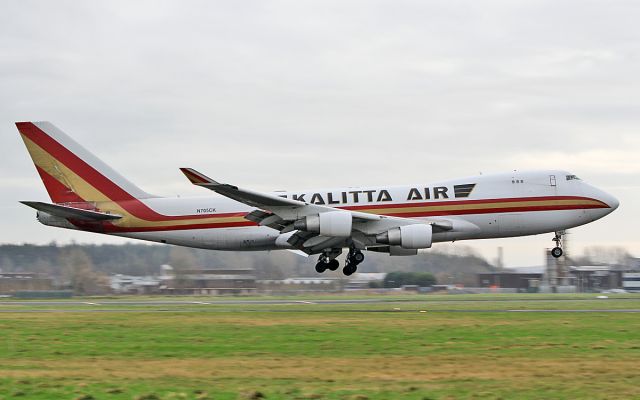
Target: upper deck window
(572, 177)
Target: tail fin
(71, 173)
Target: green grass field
(408, 347)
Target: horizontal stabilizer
(70, 212)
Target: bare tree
(181, 258)
(608, 255)
(78, 271)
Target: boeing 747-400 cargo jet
(88, 195)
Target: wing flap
(264, 218)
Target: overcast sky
(300, 94)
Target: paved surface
(166, 306)
(277, 302)
(190, 302)
(184, 310)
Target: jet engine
(417, 236)
(332, 223)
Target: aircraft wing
(285, 215)
(287, 209)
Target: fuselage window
(572, 177)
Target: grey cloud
(278, 94)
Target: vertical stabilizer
(71, 173)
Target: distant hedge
(398, 279)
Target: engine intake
(417, 236)
(332, 223)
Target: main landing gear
(327, 261)
(556, 252)
(354, 258)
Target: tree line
(460, 264)
(83, 266)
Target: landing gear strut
(354, 258)
(556, 252)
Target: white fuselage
(502, 205)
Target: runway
(131, 310)
(381, 305)
(284, 301)
(191, 302)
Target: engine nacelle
(417, 236)
(332, 223)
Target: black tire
(333, 265)
(321, 267)
(556, 252)
(349, 269)
(358, 257)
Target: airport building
(595, 278)
(631, 281)
(363, 280)
(12, 282)
(294, 285)
(126, 284)
(584, 278)
(208, 281)
(527, 280)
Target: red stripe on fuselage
(467, 202)
(408, 214)
(110, 228)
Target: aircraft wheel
(556, 252)
(358, 257)
(321, 267)
(333, 264)
(349, 269)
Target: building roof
(538, 269)
(590, 268)
(215, 271)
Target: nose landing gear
(556, 252)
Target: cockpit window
(572, 177)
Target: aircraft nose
(611, 201)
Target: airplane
(88, 195)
